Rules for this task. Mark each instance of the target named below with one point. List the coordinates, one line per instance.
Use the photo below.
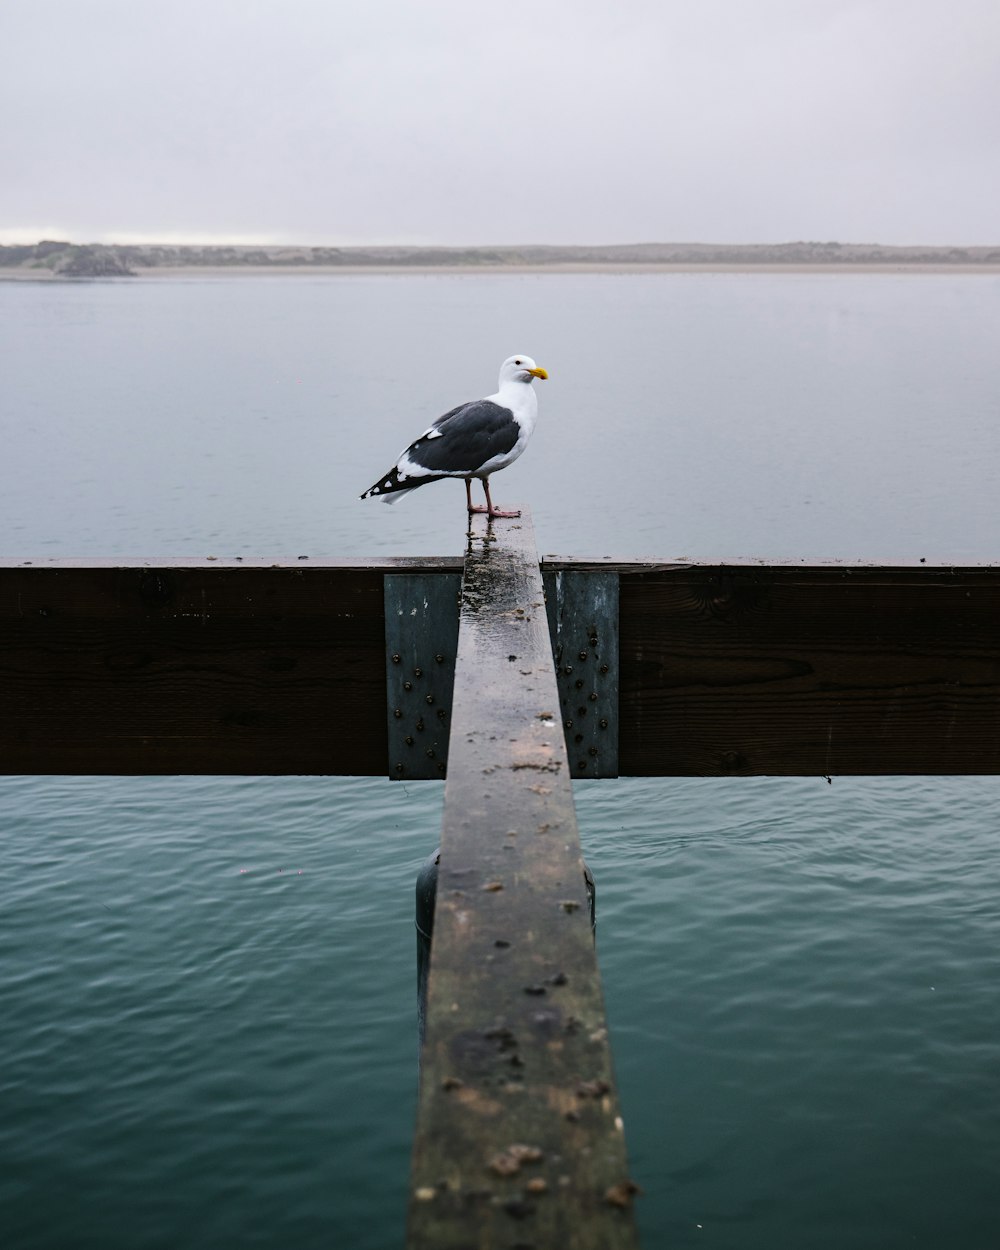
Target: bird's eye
(517, 362)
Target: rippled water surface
(207, 984)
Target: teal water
(208, 1006)
(802, 980)
(207, 984)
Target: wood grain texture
(256, 667)
(191, 670)
(810, 671)
(519, 1139)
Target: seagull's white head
(520, 369)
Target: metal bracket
(421, 639)
(582, 606)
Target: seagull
(476, 439)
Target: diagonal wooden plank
(519, 1139)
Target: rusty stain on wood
(519, 1138)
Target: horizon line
(16, 238)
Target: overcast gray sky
(448, 121)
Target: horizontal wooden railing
(281, 667)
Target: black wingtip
(387, 484)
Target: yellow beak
(538, 373)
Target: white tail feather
(396, 495)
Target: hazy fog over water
(451, 123)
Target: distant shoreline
(542, 269)
(52, 258)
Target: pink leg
(468, 498)
(491, 512)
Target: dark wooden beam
(201, 669)
(809, 671)
(262, 666)
(519, 1139)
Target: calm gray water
(207, 1032)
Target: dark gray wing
(463, 440)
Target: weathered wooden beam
(251, 666)
(810, 671)
(192, 670)
(519, 1139)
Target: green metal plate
(582, 606)
(421, 638)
